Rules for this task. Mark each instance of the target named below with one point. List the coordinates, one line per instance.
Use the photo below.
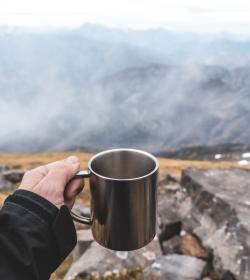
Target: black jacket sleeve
(35, 237)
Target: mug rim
(124, 149)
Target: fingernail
(73, 159)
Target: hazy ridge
(96, 87)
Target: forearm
(35, 237)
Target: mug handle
(76, 217)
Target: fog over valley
(95, 87)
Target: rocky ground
(202, 232)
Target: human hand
(53, 181)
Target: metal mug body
(123, 185)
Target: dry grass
(171, 166)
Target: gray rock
(84, 239)
(173, 207)
(168, 180)
(172, 246)
(9, 177)
(5, 185)
(219, 215)
(175, 267)
(4, 168)
(228, 276)
(172, 187)
(14, 175)
(100, 261)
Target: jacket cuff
(36, 204)
(59, 220)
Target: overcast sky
(194, 15)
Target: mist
(95, 87)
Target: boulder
(168, 180)
(219, 216)
(5, 185)
(84, 239)
(4, 168)
(9, 177)
(173, 207)
(175, 267)
(98, 261)
(13, 175)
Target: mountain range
(96, 87)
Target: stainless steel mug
(123, 198)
